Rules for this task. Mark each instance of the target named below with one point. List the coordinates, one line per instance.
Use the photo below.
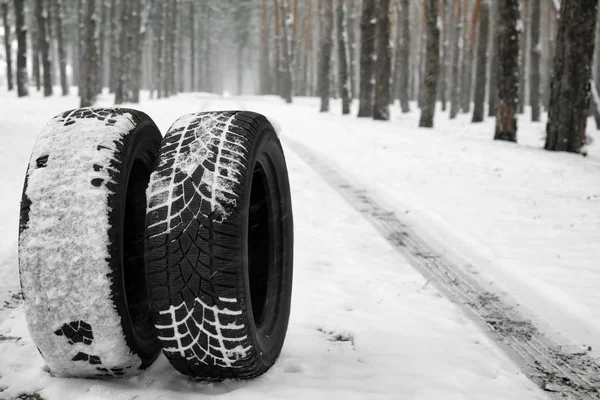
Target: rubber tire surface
(81, 249)
(220, 245)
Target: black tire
(220, 245)
(81, 242)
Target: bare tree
(342, 41)
(523, 54)
(287, 58)
(122, 81)
(44, 41)
(9, 71)
(114, 44)
(481, 67)
(62, 56)
(534, 72)
(468, 51)
(325, 56)
(492, 82)
(571, 75)
(383, 67)
(367, 58)
(508, 70)
(432, 64)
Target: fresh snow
(364, 323)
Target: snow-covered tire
(81, 245)
(220, 245)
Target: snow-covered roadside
(364, 324)
(525, 221)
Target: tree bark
(468, 58)
(492, 82)
(383, 67)
(62, 56)
(570, 84)
(9, 71)
(523, 55)
(445, 15)
(287, 73)
(455, 87)
(325, 56)
(432, 64)
(35, 52)
(44, 41)
(114, 45)
(21, 32)
(102, 44)
(403, 57)
(122, 81)
(367, 59)
(342, 40)
(508, 70)
(481, 67)
(534, 72)
(90, 57)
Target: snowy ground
(524, 222)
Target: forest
(506, 59)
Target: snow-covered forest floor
(522, 222)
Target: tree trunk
(481, 68)
(44, 41)
(141, 25)
(114, 45)
(9, 71)
(325, 56)
(122, 82)
(445, 15)
(342, 40)
(62, 56)
(534, 72)
(570, 84)
(523, 55)
(192, 63)
(403, 56)
(455, 87)
(383, 67)
(367, 59)
(468, 58)
(35, 52)
(90, 57)
(508, 70)
(432, 64)
(102, 44)
(492, 82)
(21, 32)
(287, 78)
(160, 33)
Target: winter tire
(219, 245)
(81, 242)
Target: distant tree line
(459, 55)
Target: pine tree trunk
(287, 78)
(114, 45)
(325, 54)
(481, 67)
(8, 52)
(90, 57)
(467, 81)
(444, 67)
(141, 25)
(192, 23)
(122, 82)
(21, 32)
(44, 41)
(383, 67)
(508, 70)
(367, 59)
(570, 84)
(492, 82)
(342, 40)
(455, 87)
(523, 55)
(102, 43)
(80, 45)
(160, 33)
(432, 64)
(535, 47)
(35, 52)
(403, 57)
(62, 56)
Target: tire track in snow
(546, 363)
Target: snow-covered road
(365, 323)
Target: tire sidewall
(267, 146)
